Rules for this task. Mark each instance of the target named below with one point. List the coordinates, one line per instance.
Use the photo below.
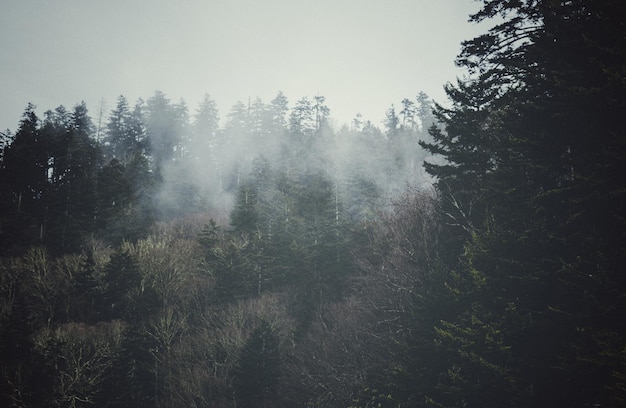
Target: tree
(165, 129)
(322, 112)
(402, 288)
(534, 277)
(424, 112)
(278, 108)
(122, 287)
(244, 217)
(78, 357)
(408, 113)
(74, 158)
(357, 123)
(116, 136)
(256, 378)
(302, 125)
(24, 182)
(205, 127)
(115, 196)
(6, 138)
(258, 116)
(391, 122)
(25, 161)
(50, 170)
(125, 132)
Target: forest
(463, 254)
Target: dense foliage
(163, 260)
(271, 260)
(532, 197)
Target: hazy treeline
(66, 178)
(270, 260)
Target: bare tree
(79, 356)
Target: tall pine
(531, 195)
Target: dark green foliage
(73, 162)
(286, 231)
(209, 237)
(51, 170)
(116, 198)
(123, 296)
(258, 373)
(245, 217)
(24, 166)
(528, 206)
(125, 135)
(132, 379)
(126, 183)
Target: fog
(268, 204)
(204, 155)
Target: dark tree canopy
(529, 189)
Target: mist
(284, 250)
(211, 154)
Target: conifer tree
(534, 277)
(24, 182)
(257, 376)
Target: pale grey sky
(362, 55)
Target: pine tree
(74, 159)
(165, 129)
(257, 375)
(205, 127)
(392, 122)
(408, 113)
(122, 283)
(24, 184)
(125, 132)
(529, 208)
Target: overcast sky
(362, 55)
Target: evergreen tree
(125, 132)
(424, 112)
(165, 129)
(392, 122)
(302, 126)
(245, 216)
(278, 108)
(116, 198)
(74, 159)
(322, 112)
(535, 278)
(205, 129)
(408, 113)
(258, 372)
(276, 124)
(122, 285)
(24, 174)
